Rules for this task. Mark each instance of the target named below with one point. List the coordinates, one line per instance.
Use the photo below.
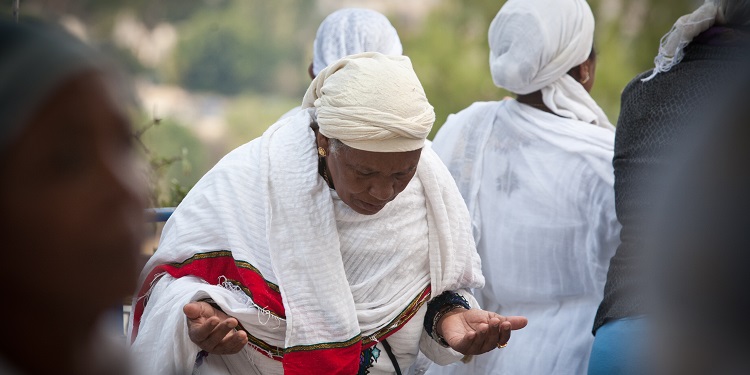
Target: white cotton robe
(539, 188)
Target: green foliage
(176, 158)
(248, 116)
(451, 56)
(245, 46)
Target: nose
(383, 190)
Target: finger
(493, 335)
(232, 343)
(517, 322)
(192, 310)
(505, 329)
(218, 334)
(479, 341)
(200, 331)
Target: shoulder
(458, 123)
(464, 117)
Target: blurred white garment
(533, 45)
(351, 31)
(540, 191)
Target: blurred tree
(244, 46)
(248, 116)
(176, 158)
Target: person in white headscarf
(333, 244)
(536, 174)
(351, 31)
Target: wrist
(446, 303)
(456, 309)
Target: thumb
(197, 310)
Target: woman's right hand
(213, 330)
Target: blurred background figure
(699, 61)
(536, 174)
(71, 204)
(347, 32)
(700, 255)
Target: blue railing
(159, 215)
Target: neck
(535, 100)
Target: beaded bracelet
(437, 308)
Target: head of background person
(371, 118)
(351, 31)
(71, 204)
(731, 15)
(546, 48)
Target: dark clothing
(655, 117)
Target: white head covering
(687, 27)
(371, 102)
(533, 45)
(351, 31)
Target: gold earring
(588, 76)
(321, 151)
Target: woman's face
(71, 201)
(366, 181)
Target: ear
(585, 71)
(310, 71)
(322, 141)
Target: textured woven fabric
(655, 117)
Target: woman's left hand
(475, 331)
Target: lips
(369, 207)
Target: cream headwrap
(371, 102)
(350, 31)
(534, 43)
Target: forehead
(384, 162)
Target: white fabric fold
(351, 31)
(534, 43)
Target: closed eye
(365, 174)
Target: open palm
(475, 331)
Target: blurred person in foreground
(700, 258)
(336, 243)
(536, 174)
(71, 204)
(698, 61)
(350, 31)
